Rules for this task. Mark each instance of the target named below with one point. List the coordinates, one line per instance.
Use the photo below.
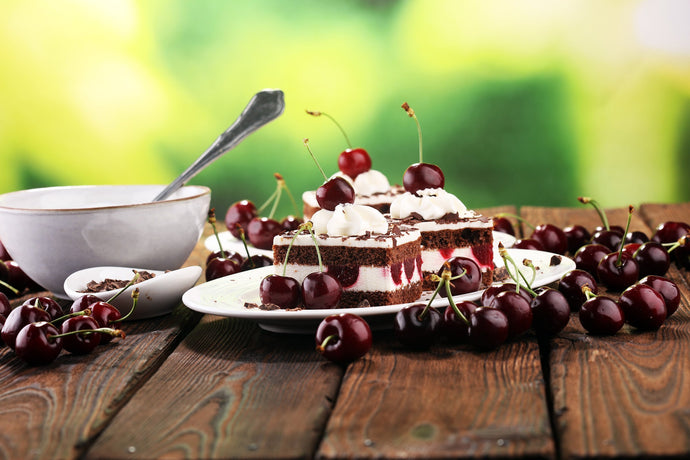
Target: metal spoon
(265, 106)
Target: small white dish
(227, 296)
(157, 296)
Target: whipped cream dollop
(349, 220)
(430, 203)
(368, 182)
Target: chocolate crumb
(269, 307)
(555, 260)
(250, 305)
(364, 304)
(110, 284)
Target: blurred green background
(525, 103)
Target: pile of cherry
(13, 280)
(627, 262)
(38, 329)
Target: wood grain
(449, 402)
(230, 390)
(625, 395)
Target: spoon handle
(265, 106)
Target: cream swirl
(370, 182)
(349, 220)
(430, 203)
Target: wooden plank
(448, 402)
(229, 390)
(56, 410)
(624, 395)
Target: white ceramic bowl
(157, 296)
(55, 231)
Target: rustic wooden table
(188, 385)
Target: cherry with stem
(333, 191)
(420, 176)
(618, 270)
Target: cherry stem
(673, 246)
(308, 225)
(619, 260)
(102, 330)
(244, 243)
(292, 241)
(599, 209)
(528, 263)
(587, 290)
(322, 346)
(11, 288)
(306, 143)
(85, 312)
(515, 277)
(406, 107)
(135, 299)
(318, 114)
(131, 282)
(445, 277)
(516, 217)
(212, 221)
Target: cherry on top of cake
(354, 165)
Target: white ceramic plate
(229, 242)
(157, 296)
(227, 297)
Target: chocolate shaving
(110, 284)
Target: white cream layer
(370, 278)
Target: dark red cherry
(516, 309)
(5, 306)
(240, 213)
(570, 285)
(291, 223)
(617, 271)
(577, 236)
(601, 315)
(503, 224)
(227, 254)
(489, 294)
(83, 302)
(343, 338)
(488, 328)
(681, 254)
(587, 258)
(454, 328)
(469, 282)
(218, 268)
(415, 329)
(636, 237)
(652, 259)
(609, 238)
(644, 308)
(333, 192)
(421, 176)
(82, 343)
(321, 290)
(16, 277)
(668, 290)
(283, 291)
(630, 248)
(528, 243)
(670, 232)
(18, 318)
(613, 228)
(552, 238)
(354, 162)
(550, 311)
(105, 315)
(261, 231)
(256, 261)
(46, 303)
(35, 346)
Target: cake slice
(376, 262)
(448, 229)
